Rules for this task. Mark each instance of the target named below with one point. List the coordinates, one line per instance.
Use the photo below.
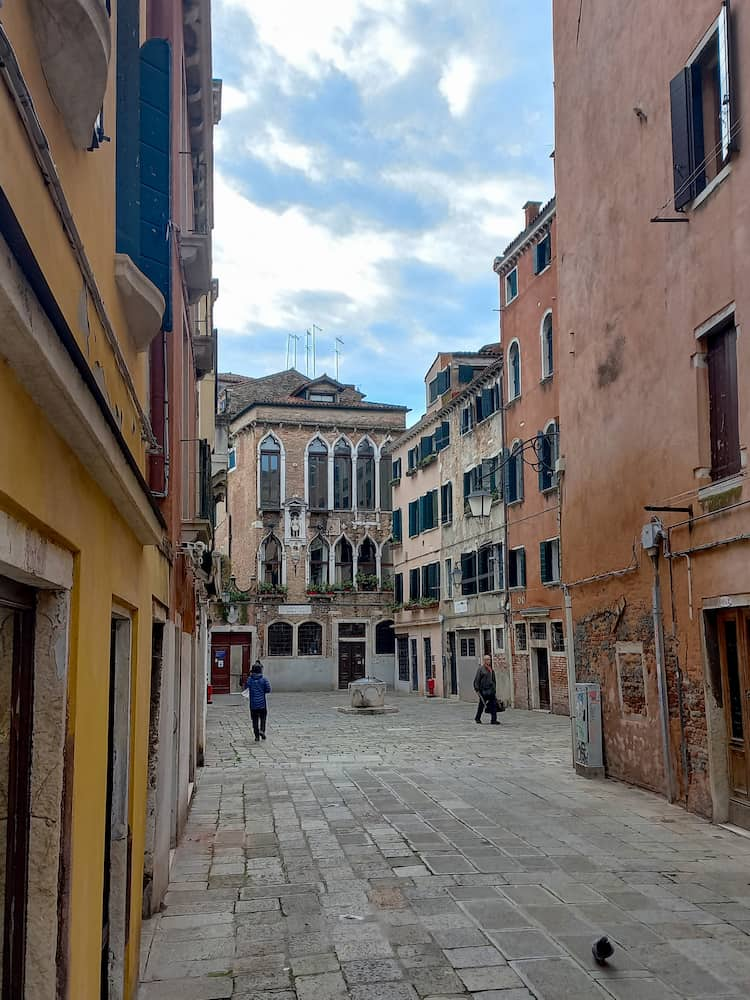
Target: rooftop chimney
(531, 208)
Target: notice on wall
(460, 607)
(295, 609)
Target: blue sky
(372, 160)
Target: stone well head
(367, 692)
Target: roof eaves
(516, 246)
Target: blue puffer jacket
(259, 688)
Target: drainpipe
(651, 536)
(506, 562)
(570, 659)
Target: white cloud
(458, 82)
(276, 149)
(233, 99)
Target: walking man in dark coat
(485, 686)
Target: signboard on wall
(295, 609)
(460, 607)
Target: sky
(371, 162)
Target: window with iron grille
(310, 639)
(538, 631)
(521, 641)
(557, 637)
(402, 643)
(280, 639)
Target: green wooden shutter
(127, 135)
(522, 567)
(156, 168)
(465, 373)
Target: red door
(220, 658)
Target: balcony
(142, 301)
(73, 38)
(195, 253)
(204, 354)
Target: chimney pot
(531, 208)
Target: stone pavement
(420, 856)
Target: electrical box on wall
(589, 757)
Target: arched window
(365, 476)
(514, 371)
(270, 474)
(547, 456)
(280, 639)
(386, 566)
(514, 474)
(344, 562)
(386, 474)
(342, 476)
(385, 639)
(548, 358)
(270, 565)
(319, 562)
(310, 639)
(367, 566)
(317, 475)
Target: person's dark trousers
(491, 705)
(480, 709)
(259, 715)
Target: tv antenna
(291, 351)
(310, 342)
(339, 345)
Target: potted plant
(367, 581)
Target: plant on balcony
(427, 460)
(320, 590)
(395, 482)
(397, 607)
(387, 585)
(273, 588)
(367, 581)
(343, 588)
(420, 603)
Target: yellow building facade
(84, 570)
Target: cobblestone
(421, 856)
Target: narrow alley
(418, 855)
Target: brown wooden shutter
(724, 409)
(687, 136)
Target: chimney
(531, 208)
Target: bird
(602, 950)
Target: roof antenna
(315, 329)
(339, 345)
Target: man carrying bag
(485, 686)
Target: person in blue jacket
(258, 687)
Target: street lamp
(457, 576)
(480, 503)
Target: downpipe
(661, 673)
(570, 659)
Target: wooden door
(414, 666)
(453, 664)
(351, 662)
(220, 660)
(734, 652)
(542, 666)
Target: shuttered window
(446, 503)
(414, 578)
(468, 573)
(542, 254)
(431, 581)
(398, 588)
(414, 518)
(549, 560)
(723, 403)
(517, 568)
(397, 526)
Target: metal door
(453, 665)
(542, 667)
(414, 666)
(734, 652)
(351, 662)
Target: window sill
(721, 486)
(546, 378)
(548, 490)
(545, 268)
(514, 503)
(550, 584)
(709, 189)
(521, 587)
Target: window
(558, 639)
(469, 573)
(385, 640)
(270, 569)
(366, 559)
(317, 475)
(397, 525)
(486, 569)
(321, 397)
(319, 562)
(442, 435)
(414, 518)
(543, 254)
(414, 577)
(467, 419)
(440, 384)
(548, 358)
(270, 474)
(365, 476)
(396, 469)
(514, 474)
(386, 467)
(426, 446)
(517, 568)
(538, 631)
(412, 458)
(342, 476)
(499, 568)
(232, 459)
(468, 647)
(511, 286)
(704, 124)
(487, 402)
(446, 503)
(546, 456)
(402, 644)
(398, 588)
(428, 513)
(344, 562)
(472, 483)
(449, 578)
(280, 639)
(514, 371)
(431, 581)
(310, 639)
(499, 638)
(352, 630)
(549, 560)
(429, 659)
(465, 374)
(486, 642)
(521, 644)
(386, 566)
(721, 351)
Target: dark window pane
(342, 476)
(384, 638)
(352, 630)
(733, 679)
(310, 639)
(280, 639)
